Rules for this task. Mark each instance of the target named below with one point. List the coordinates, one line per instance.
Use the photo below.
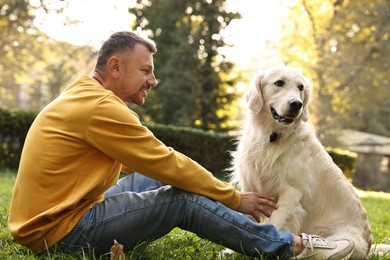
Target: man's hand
(253, 203)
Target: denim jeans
(139, 209)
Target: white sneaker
(320, 248)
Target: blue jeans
(139, 209)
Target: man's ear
(113, 66)
(253, 96)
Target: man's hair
(121, 41)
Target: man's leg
(133, 182)
(154, 210)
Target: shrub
(346, 160)
(14, 125)
(209, 149)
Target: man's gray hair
(121, 41)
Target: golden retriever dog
(278, 154)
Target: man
(67, 194)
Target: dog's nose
(295, 105)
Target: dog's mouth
(281, 119)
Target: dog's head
(283, 92)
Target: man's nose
(153, 82)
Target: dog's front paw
(282, 223)
(278, 223)
(279, 220)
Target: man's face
(136, 75)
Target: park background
(208, 50)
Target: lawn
(180, 244)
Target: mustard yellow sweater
(75, 150)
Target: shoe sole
(345, 257)
(348, 256)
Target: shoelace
(317, 241)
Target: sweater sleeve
(115, 130)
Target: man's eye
(279, 83)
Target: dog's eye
(279, 83)
(301, 87)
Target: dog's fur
(278, 154)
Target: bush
(14, 125)
(346, 160)
(209, 149)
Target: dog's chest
(279, 165)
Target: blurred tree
(195, 87)
(15, 27)
(34, 67)
(343, 46)
(59, 63)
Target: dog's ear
(306, 100)
(253, 96)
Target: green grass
(179, 244)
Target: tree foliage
(195, 87)
(343, 46)
(15, 27)
(34, 67)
